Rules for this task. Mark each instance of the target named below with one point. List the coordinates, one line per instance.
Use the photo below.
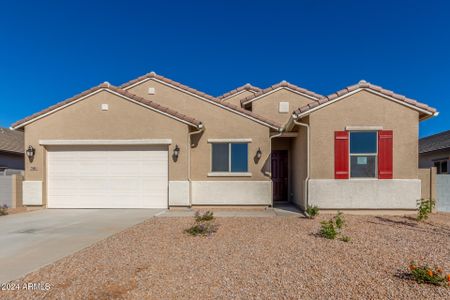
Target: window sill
(229, 174)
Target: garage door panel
(107, 177)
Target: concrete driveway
(31, 240)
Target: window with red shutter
(341, 155)
(385, 154)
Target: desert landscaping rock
(257, 258)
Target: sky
(52, 50)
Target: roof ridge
(245, 87)
(436, 134)
(362, 84)
(108, 86)
(203, 95)
(282, 84)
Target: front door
(280, 175)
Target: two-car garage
(107, 176)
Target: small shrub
(3, 210)
(425, 274)
(207, 216)
(425, 207)
(204, 229)
(204, 224)
(328, 230)
(332, 228)
(339, 220)
(345, 238)
(312, 211)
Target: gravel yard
(266, 258)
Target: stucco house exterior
(434, 151)
(154, 142)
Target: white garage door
(107, 177)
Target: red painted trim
(385, 154)
(341, 155)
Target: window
(363, 154)
(441, 166)
(229, 157)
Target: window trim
(212, 173)
(362, 154)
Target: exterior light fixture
(258, 153)
(176, 151)
(30, 152)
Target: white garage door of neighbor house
(107, 177)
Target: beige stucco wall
(299, 171)
(364, 109)
(123, 120)
(219, 124)
(236, 98)
(268, 106)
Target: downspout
(280, 132)
(201, 128)
(295, 117)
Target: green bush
(207, 216)
(204, 224)
(425, 207)
(204, 229)
(328, 230)
(3, 210)
(312, 211)
(332, 228)
(425, 274)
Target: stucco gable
(152, 76)
(424, 110)
(283, 85)
(118, 92)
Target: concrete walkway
(29, 241)
(287, 210)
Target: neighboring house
(11, 151)
(434, 151)
(154, 142)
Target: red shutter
(341, 155)
(385, 138)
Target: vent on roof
(151, 91)
(283, 107)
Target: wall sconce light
(30, 152)
(258, 153)
(176, 151)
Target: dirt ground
(258, 258)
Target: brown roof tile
(282, 84)
(365, 85)
(214, 100)
(245, 87)
(107, 86)
(11, 141)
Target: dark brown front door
(280, 175)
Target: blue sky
(52, 50)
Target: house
(11, 151)
(154, 142)
(434, 151)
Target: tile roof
(282, 84)
(212, 99)
(107, 86)
(11, 141)
(364, 85)
(245, 87)
(434, 142)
